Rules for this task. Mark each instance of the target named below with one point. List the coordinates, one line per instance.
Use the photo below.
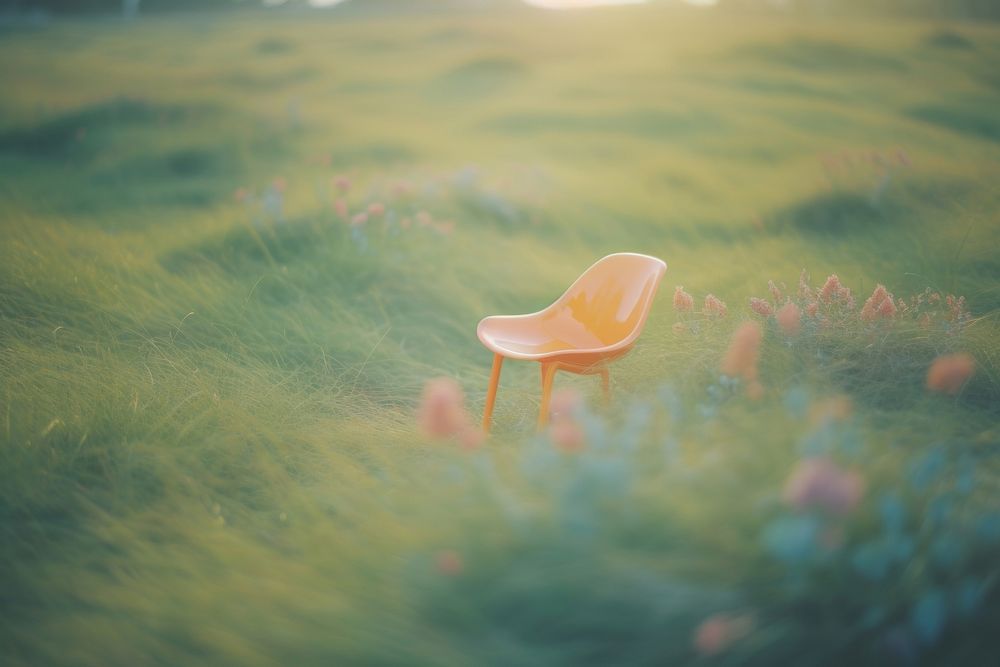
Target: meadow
(235, 248)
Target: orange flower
(873, 307)
(449, 562)
(744, 350)
(949, 372)
(340, 206)
(887, 308)
(342, 183)
(683, 302)
(718, 632)
(775, 292)
(789, 319)
(761, 307)
(714, 306)
(819, 483)
(830, 289)
(442, 412)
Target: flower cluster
(833, 304)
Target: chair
(597, 320)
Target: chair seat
(530, 337)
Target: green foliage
(208, 374)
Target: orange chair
(597, 320)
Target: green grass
(208, 450)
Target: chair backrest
(611, 300)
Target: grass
(209, 450)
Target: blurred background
(244, 248)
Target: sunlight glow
(574, 4)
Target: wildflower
(714, 306)
(445, 228)
(449, 562)
(819, 483)
(887, 308)
(340, 206)
(812, 309)
(830, 289)
(424, 219)
(873, 305)
(683, 302)
(805, 292)
(925, 321)
(717, 632)
(442, 410)
(761, 307)
(844, 294)
(359, 219)
(789, 319)
(744, 349)
(949, 372)
(376, 209)
(775, 292)
(342, 183)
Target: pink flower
(442, 411)
(449, 562)
(683, 302)
(714, 306)
(775, 292)
(340, 206)
(359, 219)
(376, 209)
(718, 632)
(342, 183)
(873, 304)
(812, 309)
(805, 292)
(949, 372)
(789, 319)
(740, 359)
(830, 289)
(761, 307)
(887, 308)
(819, 483)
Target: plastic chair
(597, 320)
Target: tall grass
(209, 450)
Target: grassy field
(211, 359)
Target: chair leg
(606, 385)
(491, 393)
(548, 374)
